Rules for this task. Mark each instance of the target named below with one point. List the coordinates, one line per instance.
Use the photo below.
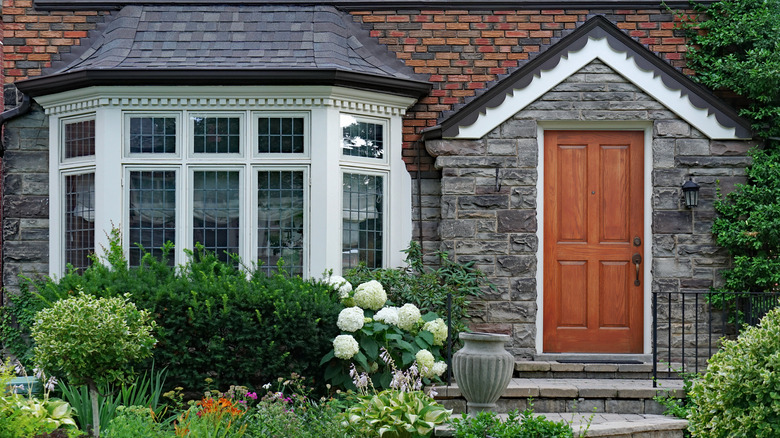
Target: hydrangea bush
(370, 323)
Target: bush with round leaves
(92, 341)
(740, 394)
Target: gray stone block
(518, 129)
(672, 222)
(512, 312)
(502, 147)
(516, 221)
(456, 228)
(517, 265)
(524, 243)
(689, 146)
(457, 186)
(483, 202)
(671, 128)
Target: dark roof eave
(60, 82)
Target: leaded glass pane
(362, 139)
(362, 220)
(153, 135)
(280, 135)
(280, 206)
(216, 135)
(79, 219)
(216, 211)
(152, 213)
(79, 139)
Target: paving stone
(566, 367)
(600, 367)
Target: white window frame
(322, 161)
(280, 157)
(307, 230)
(151, 156)
(366, 161)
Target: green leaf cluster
(396, 414)
(525, 425)
(748, 226)
(737, 48)
(739, 396)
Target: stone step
(558, 395)
(537, 369)
(611, 425)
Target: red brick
(541, 18)
(517, 34)
(486, 49)
(75, 19)
(566, 18)
(373, 19)
(398, 19)
(648, 25)
(541, 34)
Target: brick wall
(34, 39)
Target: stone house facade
(475, 105)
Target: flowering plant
(371, 323)
(402, 410)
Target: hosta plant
(401, 411)
(370, 324)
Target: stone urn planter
(482, 369)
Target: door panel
(593, 201)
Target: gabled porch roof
(596, 39)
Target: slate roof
(259, 39)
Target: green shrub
(739, 396)
(92, 341)
(524, 425)
(214, 320)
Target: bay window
(307, 180)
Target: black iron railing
(688, 326)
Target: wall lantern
(691, 192)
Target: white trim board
(621, 62)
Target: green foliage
(133, 422)
(214, 319)
(737, 47)
(739, 396)
(428, 288)
(17, 319)
(24, 417)
(396, 414)
(748, 226)
(524, 425)
(276, 418)
(92, 339)
(674, 406)
(145, 391)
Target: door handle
(637, 260)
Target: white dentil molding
(620, 61)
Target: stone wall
(26, 197)
(497, 228)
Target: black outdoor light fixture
(691, 192)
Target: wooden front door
(593, 241)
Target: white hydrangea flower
(345, 346)
(351, 319)
(387, 315)
(408, 316)
(370, 295)
(425, 360)
(439, 368)
(439, 330)
(340, 284)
